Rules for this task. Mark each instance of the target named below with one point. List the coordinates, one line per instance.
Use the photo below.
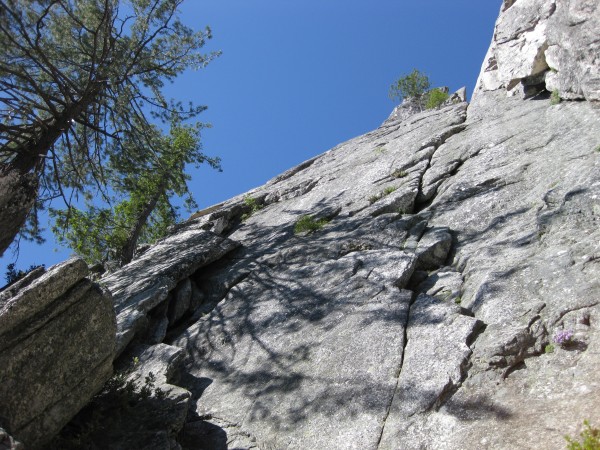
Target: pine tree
(77, 81)
(142, 208)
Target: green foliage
(308, 224)
(415, 84)
(253, 206)
(458, 300)
(597, 149)
(13, 275)
(549, 348)
(399, 173)
(83, 86)
(590, 439)
(435, 98)
(555, 98)
(387, 191)
(141, 209)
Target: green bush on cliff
(253, 205)
(590, 439)
(387, 191)
(307, 224)
(415, 84)
(435, 98)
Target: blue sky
(297, 78)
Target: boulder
(432, 250)
(57, 341)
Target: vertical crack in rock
(422, 336)
(398, 371)
(422, 201)
(434, 364)
(305, 337)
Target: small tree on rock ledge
(78, 78)
(415, 84)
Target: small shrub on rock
(251, 203)
(413, 85)
(555, 98)
(308, 224)
(387, 191)
(590, 439)
(380, 149)
(435, 98)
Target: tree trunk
(19, 178)
(17, 196)
(128, 249)
(19, 181)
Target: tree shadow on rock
(202, 435)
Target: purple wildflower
(563, 337)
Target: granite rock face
(447, 250)
(141, 289)
(573, 50)
(545, 45)
(57, 345)
(138, 409)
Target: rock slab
(145, 283)
(57, 344)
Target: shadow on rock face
(476, 408)
(196, 385)
(202, 435)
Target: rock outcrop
(410, 288)
(57, 346)
(545, 45)
(145, 298)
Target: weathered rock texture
(8, 443)
(141, 290)
(57, 342)
(453, 245)
(550, 44)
